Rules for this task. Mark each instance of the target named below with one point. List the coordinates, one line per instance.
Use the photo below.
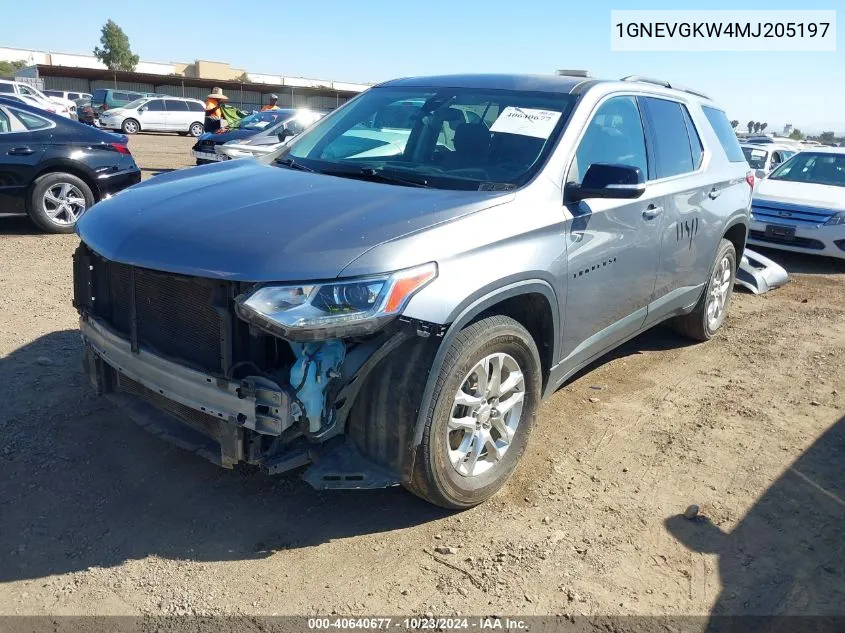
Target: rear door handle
(714, 193)
(20, 151)
(652, 211)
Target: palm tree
(750, 126)
(734, 123)
(763, 127)
(757, 127)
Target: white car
(764, 158)
(800, 206)
(156, 114)
(60, 106)
(64, 94)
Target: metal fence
(247, 98)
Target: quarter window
(694, 139)
(725, 133)
(672, 153)
(615, 136)
(193, 106)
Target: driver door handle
(714, 193)
(652, 211)
(20, 151)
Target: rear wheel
(196, 129)
(58, 200)
(483, 407)
(130, 126)
(712, 308)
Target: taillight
(749, 178)
(105, 107)
(120, 148)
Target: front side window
(193, 106)
(5, 123)
(813, 167)
(6, 88)
(613, 136)
(156, 105)
(448, 138)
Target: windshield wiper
(377, 175)
(290, 163)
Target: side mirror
(761, 173)
(604, 180)
(142, 109)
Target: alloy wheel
(64, 203)
(485, 415)
(720, 287)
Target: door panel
(613, 245)
(20, 153)
(178, 115)
(155, 115)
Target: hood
(800, 193)
(246, 221)
(229, 135)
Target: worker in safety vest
(273, 105)
(213, 111)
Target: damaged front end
(245, 373)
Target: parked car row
(256, 134)
(31, 95)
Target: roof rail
(665, 84)
(568, 72)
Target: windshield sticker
(758, 153)
(526, 122)
(261, 124)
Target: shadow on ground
(83, 487)
(787, 555)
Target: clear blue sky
(373, 40)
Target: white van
(156, 114)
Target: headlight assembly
(836, 219)
(335, 309)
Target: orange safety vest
(269, 107)
(212, 109)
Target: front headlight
(336, 309)
(836, 219)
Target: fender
(475, 308)
(72, 167)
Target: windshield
(135, 104)
(261, 120)
(448, 138)
(813, 167)
(755, 157)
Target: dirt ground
(98, 517)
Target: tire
(697, 325)
(437, 477)
(44, 212)
(196, 130)
(130, 126)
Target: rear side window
(31, 121)
(195, 107)
(672, 153)
(725, 132)
(174, 105)
(7, 88)
(99, 97)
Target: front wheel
(130, 126)
(196, 129)
(483, 407)
(712, 308)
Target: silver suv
(387, 299)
